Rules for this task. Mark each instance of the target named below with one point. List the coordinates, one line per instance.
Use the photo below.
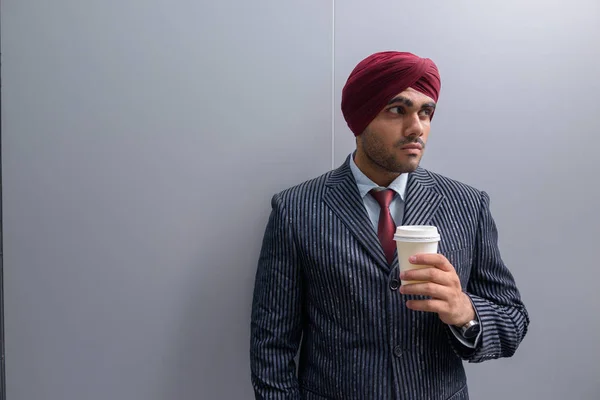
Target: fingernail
(412, 259)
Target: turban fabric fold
(380, 77)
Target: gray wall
(139, 136)
(142, 142)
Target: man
(328, 270)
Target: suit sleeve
(503, 317)
(276, 322)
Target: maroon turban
(380, 77)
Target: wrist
(468, 315)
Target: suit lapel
(343, 197)
(421, 203)
(422, 200)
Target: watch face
(472, 331)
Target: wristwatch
(470, 330)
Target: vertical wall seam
(333, 84)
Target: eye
(397, 110)
(426, 112)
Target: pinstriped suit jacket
(323, 278)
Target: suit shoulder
(301, 192)
(452, 187)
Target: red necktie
(386, 226)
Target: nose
(413, 126)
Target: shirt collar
(365, 184)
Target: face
(395, 140)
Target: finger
(429, 274)
(433, 305)
(432, 290)
(434, 260)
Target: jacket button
(394, 284)
(398, 351)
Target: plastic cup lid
(417, 233)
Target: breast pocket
(461, 260)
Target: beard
(390, 159)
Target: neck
(374, 172)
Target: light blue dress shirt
(398, 185)
(365, 185)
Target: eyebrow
(409, 103)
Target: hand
(442, 285)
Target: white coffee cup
(415, 239)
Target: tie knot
(383, 197)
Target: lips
(415, 146)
